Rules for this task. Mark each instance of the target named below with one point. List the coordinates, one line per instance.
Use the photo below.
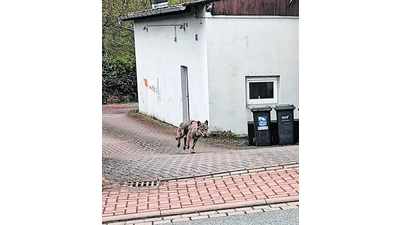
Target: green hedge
(119, 80)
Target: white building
(204, 61)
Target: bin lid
(284, 107)
(261, 109)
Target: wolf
(191, 129)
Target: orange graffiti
(145, 82)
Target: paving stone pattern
(208, 214)
(221, 179)
(139, 150)
(202, 192)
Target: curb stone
(172, 212)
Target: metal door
(185, 93)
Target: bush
(119, 80)
(228, 135)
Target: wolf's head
(202, 128)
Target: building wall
(257, 7)
(159, 60)
(240, 46)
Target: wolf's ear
(206, 122)
(198, 123)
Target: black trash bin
(262, 121)
(284, 116)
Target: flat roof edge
(160, 11)
(152, 12)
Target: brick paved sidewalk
(213, 192)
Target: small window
(261, 90)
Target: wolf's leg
(178, 139)
(178, 142)
(194, 143)
(188, 141)
(184, 143)
(179, 135)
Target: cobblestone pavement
(173, 200)
(142, 149)
(190, 217)
(209, 214)
(151, 181)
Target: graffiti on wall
(154, 88)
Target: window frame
(274, 100)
